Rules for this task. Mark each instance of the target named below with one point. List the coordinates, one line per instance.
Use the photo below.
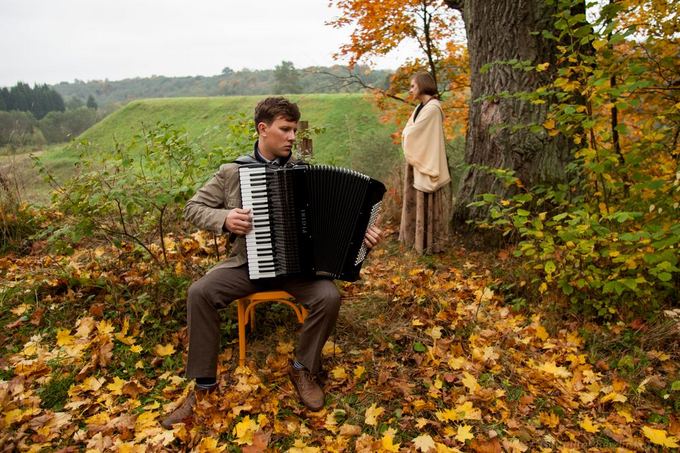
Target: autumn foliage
(428, 356)
(565, 338)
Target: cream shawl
(423, 144)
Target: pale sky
(49, 41)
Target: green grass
(347, 120)
(351, 136)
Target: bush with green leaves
(59, 127)
(608, 241)
(137, 193)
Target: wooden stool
(246, 314)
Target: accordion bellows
(308, 219)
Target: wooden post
(305, 146)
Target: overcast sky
(49, 41)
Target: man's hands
(373, 236)
(239, 221)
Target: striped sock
(297, 365)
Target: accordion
(308, 219)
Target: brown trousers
(221, 286)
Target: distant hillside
(352, 134)
(230, 83)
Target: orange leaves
(487, 378)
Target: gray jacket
(209, 207)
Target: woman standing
(427, 196)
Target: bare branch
(353, 79)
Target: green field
(349, 122)
(351, 134)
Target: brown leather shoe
(182, 414)
(307, 388)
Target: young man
(217, 207)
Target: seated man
(217, 207)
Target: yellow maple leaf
(116, 386)
(541, 333)
(660, 437)
(615, 397)
(466, 411)
(145, 421)
(447, 415)
(105, 327)
(331, 348)
(359, 371)
(339, 373)
(550, 420)
(300, 447)
(136, 349)
(424, 443)
(387, 441)
(626, 415)
(464, 433)
(587, 425)
(372, 414)
(552, 368)
(470, 382)
(92, 384)
(64, 337)
(244, 430)
(99, 419)
(209, 445)
(456, 363)
(163, 351)
(12, 416)
(436, 332)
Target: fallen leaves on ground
(427, 357)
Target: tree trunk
(498, 135)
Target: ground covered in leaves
(429, 355)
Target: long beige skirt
(424, 216)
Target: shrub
(58, 127)
(137, 194)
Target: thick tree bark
(497, 31)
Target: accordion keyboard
(259, 240)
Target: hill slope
(349, 121)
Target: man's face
(276, 140)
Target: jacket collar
(279, 161)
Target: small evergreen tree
(91, 103)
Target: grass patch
(54, 393)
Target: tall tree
(381, 26)
(287, 78)
(503, 37)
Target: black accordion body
(308, 219)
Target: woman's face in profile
(413, 90)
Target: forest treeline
(32, 116)
(284, 78)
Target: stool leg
(241, 333)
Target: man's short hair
(267, 110)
